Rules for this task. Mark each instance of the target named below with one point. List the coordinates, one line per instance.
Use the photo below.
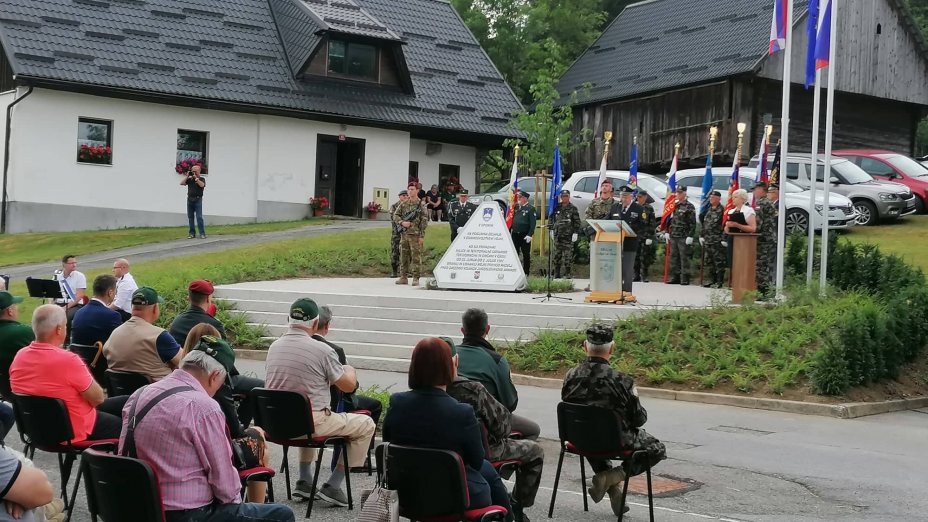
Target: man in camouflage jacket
(767, 217)
(395, 234)
(712, 239)
(682, 229)
(565, 227)
(411, 215)
(599, 208)
(646, 246)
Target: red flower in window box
(184, 166)
(96, 155)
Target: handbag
(380, 504)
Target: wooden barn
(666, 71)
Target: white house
(282, 100)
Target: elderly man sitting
(46, 370)
(138, 345)
(595, 383)
(179, 430)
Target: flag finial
(741, 129)
(713, 132)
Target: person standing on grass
(396, 233)
(523, 228)
(413, 217)
(195, 184)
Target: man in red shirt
(45, 369)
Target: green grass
(43, 247)
(907, 238)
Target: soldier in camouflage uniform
(565, 228)
(712, 239)
(395, 236)
(682, 229)
(599, 208)
(496, 420)
(767, 217)
(646, 248)
(413, 218)
(595, 383)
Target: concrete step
(383, 364)
(404, 338)
(446, 323)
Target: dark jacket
(478, 361)
(186, 320)
(94, 322)
(632, 217)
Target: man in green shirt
(13, 334)
(523, 228)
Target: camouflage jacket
(683, 220)
(414, 212)
(596, 383)
(712, 229)
(599, 209)
(767, 216)
(490, 412)
(397, 228)
(565, 221)
(649, 221)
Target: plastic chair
(432, 485)
(120, 488)
(258, 474)
(287, 420)
(124, 383)
(589, 431)
(93, 358)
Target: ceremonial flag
(778, 26)
(602, 172)
(733, 185)
(823, 38)
(761, 176)
(555, 181)
(633, 169)
(812, 32)
(706, 184)
(514, 179)
(775, 167)
(670, 203)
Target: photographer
(195, 185)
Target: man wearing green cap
(138, 346)
(14, 335)
(523, 227)
(297, 362)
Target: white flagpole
(829, 133)
(784, 149)
(813, 214)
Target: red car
(891, 166)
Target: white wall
(465, 157)
(6, 98)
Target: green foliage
(381, 394)
(539, 285)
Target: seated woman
(741, 218)
(249, 447)
(428, 417)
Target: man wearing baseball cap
(138, 346)
(297, 362)
(523, 228)
(14, 335)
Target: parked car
(873, 200)
(582, 186)
(798, 200)
(890, 166)
(499, 192)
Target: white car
(582, 186)
(798, 200)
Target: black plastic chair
(431, 485)
(120, 488)
(44, 424)
(287, 420)
(589, 431)
(94, 359)
(124, 383)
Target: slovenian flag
(823, 39)
(602, 175)
(733, 185)
(778, 26)
(670, 203)
(514, 179)
(633, 169)
(761, 176)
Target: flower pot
(371, 215)
(318, 212)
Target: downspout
(6, 156)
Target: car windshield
(655, 187)
(907, 165)
(497, 186)
(851, 173)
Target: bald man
(125, 287)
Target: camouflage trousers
(410, 256)
(563, 256)
(528, 475)
(645, 258)
(679, 259)
(395, 251)
(716, 259)
(766, 258)
(643, 441)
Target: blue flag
(555, 181)
(812, 32)
(823, 39)
(706, 183)
(633, 169)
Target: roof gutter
(6, 156)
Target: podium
(743, 265)
(606, 262)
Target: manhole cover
(662, 486)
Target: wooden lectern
(743, 265)
(606, 262)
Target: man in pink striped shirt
(180, 431)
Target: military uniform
(646, 253)
(395, 235)
(598, 209)
(523, 226)
(631, 215)
(767, 216)
(565, 223)
(458, 214)
(713, 235)
(412, 210)
(682, 226)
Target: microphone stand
(548, 296)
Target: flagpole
(813, 214)
(784, 150)
(829, 135)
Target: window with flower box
(94, 141)
(191, 149)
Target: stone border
(850, 410)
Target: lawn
(43, 247)
(906, 237)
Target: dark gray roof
(660, 44)
(248, 53)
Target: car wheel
(797, 221)
(866, 213)
(919, 205)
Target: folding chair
(120, 488)
(589, 431)
(431, 485)
(258, 474)
(124, 383)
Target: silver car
(798, 200)
(582, 186)
(499, 192)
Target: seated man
(125, 287)
(96, 321)
(73, 284)
(200, 295)
(14, 335)
(179, 430)
(46, 370)
(138, 346)
(297, 362)
(480, 362)
(496, 419)
(23, 488)
(596, 383)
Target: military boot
(402, 281)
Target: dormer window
(353, 60)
